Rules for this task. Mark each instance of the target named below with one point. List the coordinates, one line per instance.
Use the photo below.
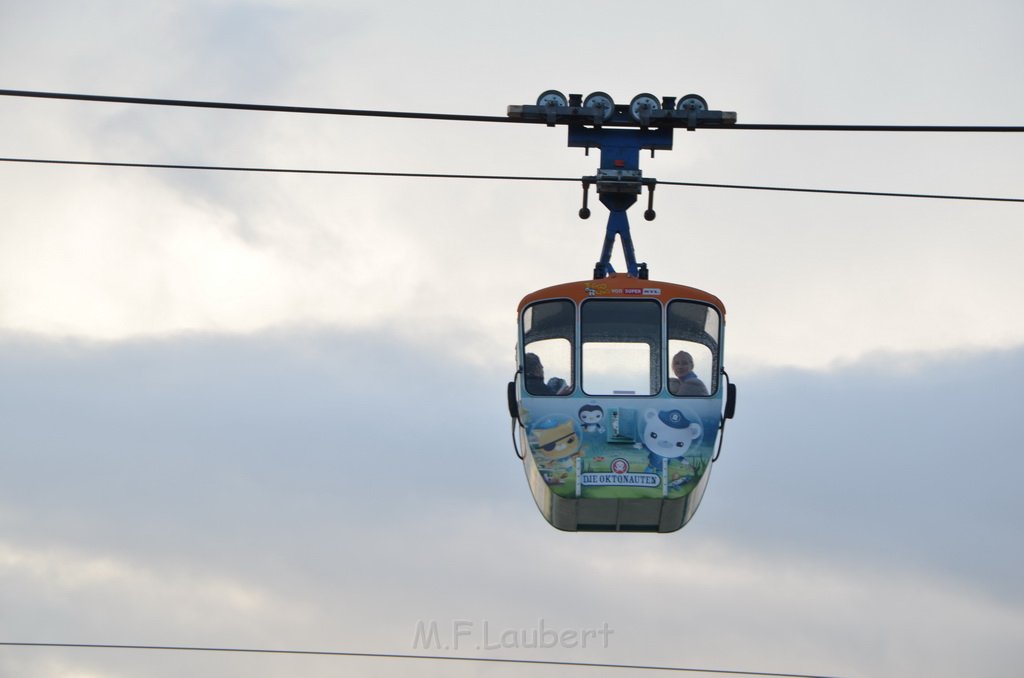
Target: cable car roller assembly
(620, 132)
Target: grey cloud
(896, 457)
(342, 470)
(898, 460)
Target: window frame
(572, 338)
(654, 342)
(713, 344)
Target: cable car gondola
(620, 395)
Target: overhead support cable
(833, 191)
(876, 128)
(492, 177)
(475, 118)
(251, 107)
(285, 170)
(382, 655)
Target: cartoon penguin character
(590, 418)
(555, 441)
(668, 434)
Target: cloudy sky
(267, 411)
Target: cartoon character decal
(668, 434)
(605, 450)
(556, 443)
(590, 418)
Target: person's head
(532, 366)
(682, 364)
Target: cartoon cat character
(668, 434)
(556, 443)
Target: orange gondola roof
(622, 286)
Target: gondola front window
(549, 328)
(621, 347)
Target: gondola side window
(621, 347)
(549, 328)
(693, 349)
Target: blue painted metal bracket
(619, 181)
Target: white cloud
(75, 582)
(809, 280)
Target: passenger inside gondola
(533, 372)
(686, 382)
